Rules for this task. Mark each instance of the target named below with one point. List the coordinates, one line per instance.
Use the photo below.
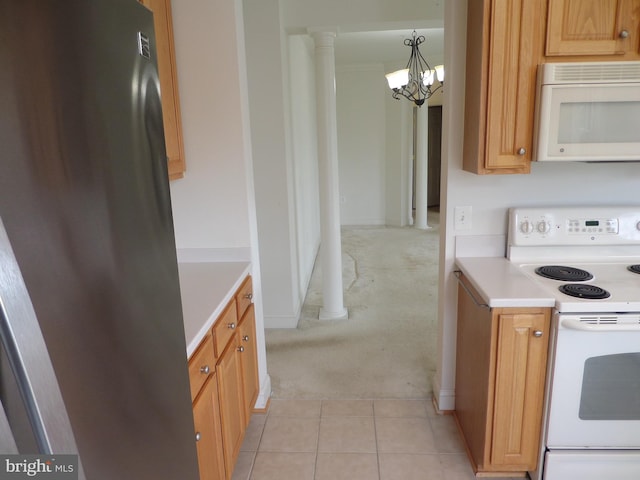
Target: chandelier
(415, 81)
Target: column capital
(324, 36)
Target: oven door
(595, 388)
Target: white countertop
(502, 284)
(206, 288)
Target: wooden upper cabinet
(504, 47)
(167, 70)
(594, 27)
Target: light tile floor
(352, 440)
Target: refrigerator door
(85, 201)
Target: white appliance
(588, 259)
(588, 112)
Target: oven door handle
(573, 324)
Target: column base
(327, 315)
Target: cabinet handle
(624, 34)
(198, 436)
(537, 333)
(241, 349)
(249, 296)
(245, 338)
(522, 151)
(231, 326)
(205, 370)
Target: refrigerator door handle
(29, 359)
(7, 442)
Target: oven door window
(611, 388)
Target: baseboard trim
(444, 399)
(264, 397)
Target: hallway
(352, 399)
(387, 347)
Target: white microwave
(588, 112)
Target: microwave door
(594, 122)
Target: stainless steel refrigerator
(93, 354)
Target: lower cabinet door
(231, 406)
(249, 357)
(206, 417)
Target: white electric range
(588, 259)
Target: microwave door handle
(29, 359)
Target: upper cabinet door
(167, 71)
(594, 27)
(504, 47)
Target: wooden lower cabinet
(249, 362)
(206, 419)
(500, 377)
(231, 406)
(224, 385)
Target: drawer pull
(198, 436)
(249, 296)
(537, 333)
(241, 349)
(231, 326)
(205, 370)
(245, 338)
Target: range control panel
(574, 226)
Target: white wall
(272, 161)
(360, 99)
(304, 141)
(214, 205)
(207, 201)
(491, 195)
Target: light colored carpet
(387, 347)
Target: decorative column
(330, 237)
(422, 156)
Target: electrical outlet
(462, 218)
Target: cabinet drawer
(224, 328)
(244, 297)
(201, 363)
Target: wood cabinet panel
(519, 387)
(224, 328)
(249, 361)
(594, 27)
(231, 403)
(474, 364)
(504, 47)
(167, 70)
(244, 297)
(206, 417)
(201, 363)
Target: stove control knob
(543, 227)
(526, 227)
